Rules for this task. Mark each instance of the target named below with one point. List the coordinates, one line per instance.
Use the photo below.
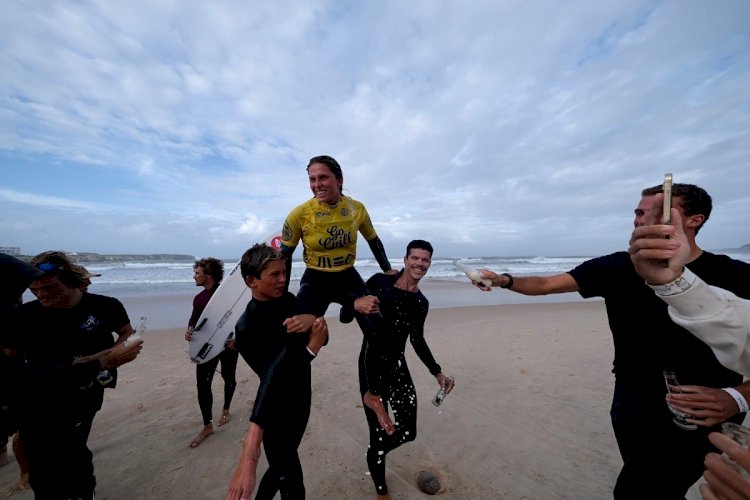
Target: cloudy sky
(496, 127)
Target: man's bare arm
(531, 285)
(243, 480)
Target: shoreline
(172, 310)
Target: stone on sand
(428, 482)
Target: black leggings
(318, 289)
(281, 438)
(204, 374)
(399, 393)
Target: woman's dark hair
(332, 164)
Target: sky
(490, 128)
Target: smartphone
(666, 217)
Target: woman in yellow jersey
(328, 225)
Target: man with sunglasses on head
(62, 343)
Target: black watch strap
(510, 281)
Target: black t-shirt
(645, 338)
(44, 335)
(47, 340)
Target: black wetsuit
(204, 372)
(403, 317)
(282, 405)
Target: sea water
(164, 278)
(163, 291)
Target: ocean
(165, 278)
(163, 291)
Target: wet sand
(529, 417)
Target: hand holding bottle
(140, 329)
(473, 274)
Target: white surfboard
(216, 324)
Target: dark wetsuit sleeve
(287, 252)
(378, 251)
(423, 350)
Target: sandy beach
(529, 417)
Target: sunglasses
(49, 267)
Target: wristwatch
(509, 284)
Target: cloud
(36, 200)
(512, 126)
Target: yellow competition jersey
(328, 234)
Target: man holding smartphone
(647, 342)
(714, 315)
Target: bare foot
(387, 496)
(23, 481)
(225, 418)
(203, 434)
(22, 484)
(376, 404)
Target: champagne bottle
(140, 329)
(473, 274)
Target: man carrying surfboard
(282, 361)
(208, 273)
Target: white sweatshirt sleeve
(717, 317)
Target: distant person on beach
(282, 362)
(60, 343)
(660, 254)
(328, 225)
(208, 273)
(403, 311)
(87, 275)
(654, 450)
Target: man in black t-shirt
(63, 341)
(654, 450)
